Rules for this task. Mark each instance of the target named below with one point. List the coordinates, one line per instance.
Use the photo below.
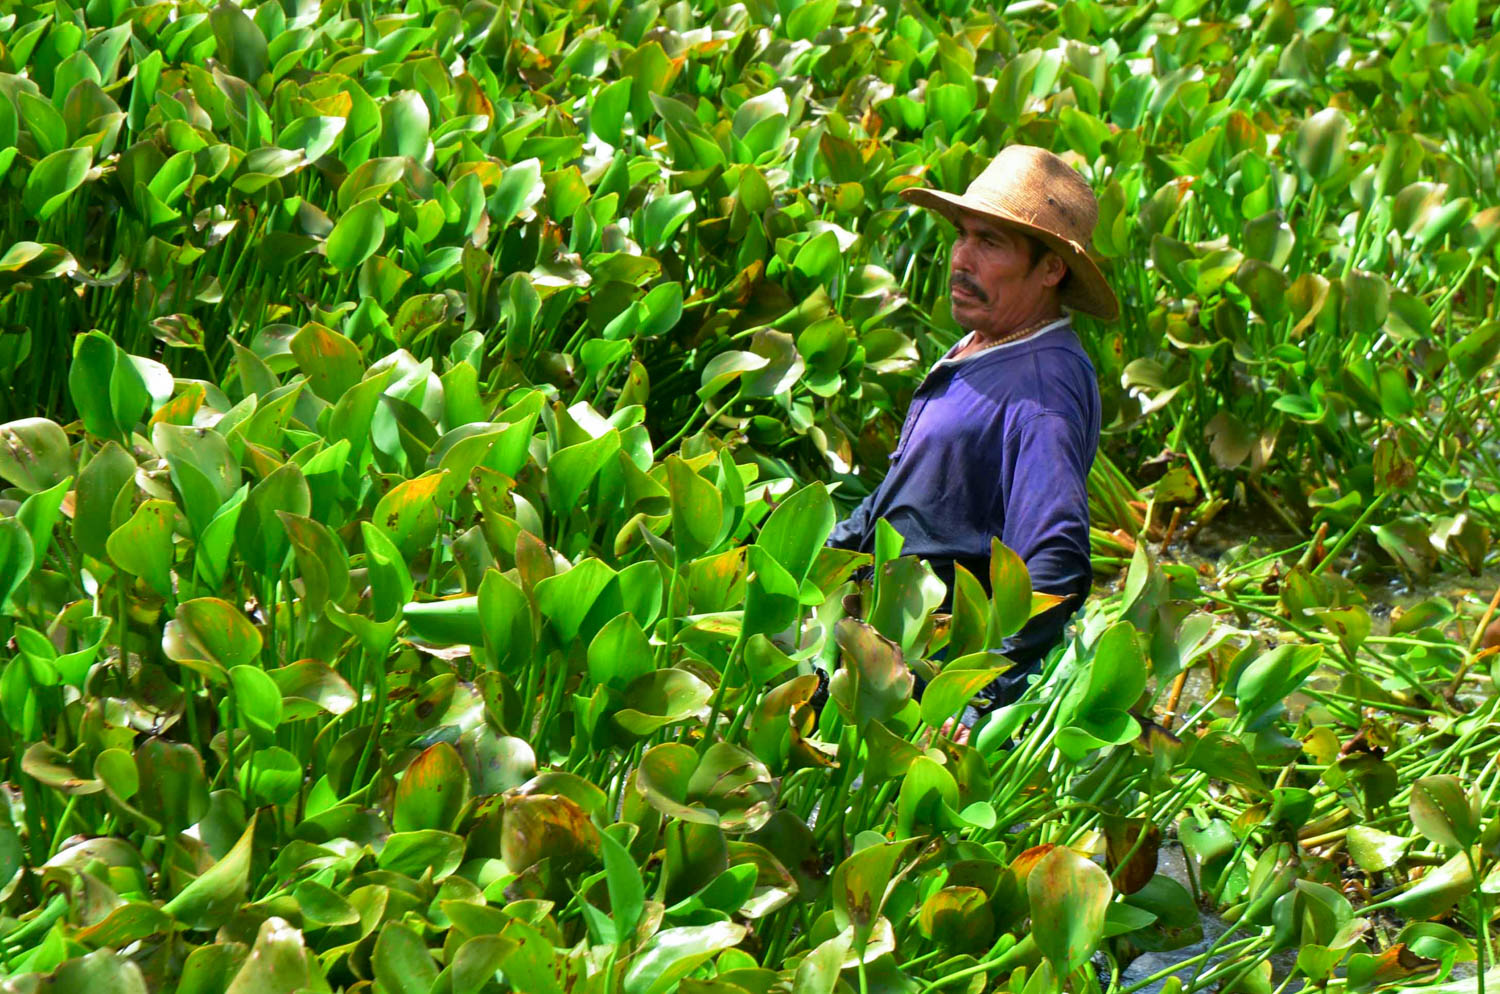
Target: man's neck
(979, 341)
(993, 335)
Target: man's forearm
(850, 533)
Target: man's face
(994, 287)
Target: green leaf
(98, 486)
(906, 594)
(402, 962)
(278, 962)
(1367, 300)
(818, 973)
(662, 309)
(241, 45)
(257, 702)
(264, 166)
(567, 598)
(432, 792)
(620, 653)
(309, 686)
(505, 616)
(410, 512)
(40, 514)
(211, 629)
(818, 259)
(726, 367)
(697, 509)
(627, 891)
(1069, 898)
(874, 681)
(357, 235)
(1474, 353)
(797, 529)
(53, 179)
(32, 260)
(450, 621)
(1438, 890)
(1443, 811)
(405, 123)
(1271, 677)
(321, 560)
(661, 698)
(260, 537)
(1373, 850)
(210, 898)
(952, 689)
(216, 540)
(35, 455)
(1322, 144)
(520, 186)
(1221, 755)
(106, 387)
(1350, 624)
(16, 558)
(100, 972)
(673, 953)
(417, 853)
(174, 789)
(807, 20)
(142, 546)
(772, 596)
(321, 905)
(313, 136)
(861, 885)
(662, 218)
(1010, 590)
(960, 917)
(607, 111)
(530, 962)
(47, 127)
(926, 789)
(1463, 19)
(332, 363)
(571, 470)
(390, 582)
(202, 468)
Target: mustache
(960, 280)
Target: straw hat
(1031, 189)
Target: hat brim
(1087, 291)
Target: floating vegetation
(423, 422)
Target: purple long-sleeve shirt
(997, 444)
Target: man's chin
(966, 313)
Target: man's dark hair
(1035, 249)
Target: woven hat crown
(1038, 188)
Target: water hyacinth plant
(423, 422)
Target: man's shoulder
(1037, 370)
(1063, 348)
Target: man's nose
(959, 261)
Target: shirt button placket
(919, 400)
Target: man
(1001, 433)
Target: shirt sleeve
(850, 533)
(1046, 521)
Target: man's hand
(958, 733)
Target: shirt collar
(946, 360)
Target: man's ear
(1053, 269)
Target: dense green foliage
(423, 424)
